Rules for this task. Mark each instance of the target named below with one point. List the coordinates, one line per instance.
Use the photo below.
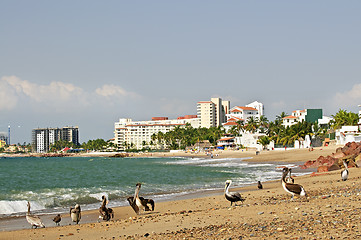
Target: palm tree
(252, 124)
(279, 118)
(264, 141)
(344, 118)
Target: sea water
(54, 184)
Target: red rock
(322, 169)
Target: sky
(89, 63)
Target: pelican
(344, 173)
(105, 213)
(233, 197)
(57, 219)
(291, 187)
(290, 178)
(140, 203)
(75, 213)
(34, 220)
(260, 185)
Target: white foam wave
(10, 207)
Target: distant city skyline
(88, 64)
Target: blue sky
(89, 63)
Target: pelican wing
(34, 221)
(132, 203)
(295, 188)
(145, 203)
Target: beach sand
(331, 210)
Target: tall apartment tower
(42, 138)
(212, 113)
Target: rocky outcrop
(350, 153)
(120, 155)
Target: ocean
(52, 185)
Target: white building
(347, 134)
(257, 105)
(138, 134)
(308, 115)
(212, 113)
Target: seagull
(233, 197)
(344, 173)
(34, 220)
(57, 219)
(105, 213)
(260, 185)
(292, 188)
(140, 203)
(75, 213)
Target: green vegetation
(179, 137)
(344, 118)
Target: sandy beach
(331, 211)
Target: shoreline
(124, 213)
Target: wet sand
(331, 210)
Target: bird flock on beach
(141, 204)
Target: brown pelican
(75, 213)
(291, 187)
(57, 219)
(105, 213)
(233, 197)
(260, 185)
(34, 220)
(290, 178)
(344, 173)
(138, 203)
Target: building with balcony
(212, 113)
(42, 138)
(138, 134)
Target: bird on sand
(140, 203)
(259, 185)
(34, 220)
(291, 188)
(233, 197)
(344, 173)
(105, 212)
(75, 213)
(57, 219)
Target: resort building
(308, 115)
(138, 134)
(42, 138)
(212, 113)
(243, 113)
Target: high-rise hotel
(212, 113)
(42, 138)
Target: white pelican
(34, 220)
